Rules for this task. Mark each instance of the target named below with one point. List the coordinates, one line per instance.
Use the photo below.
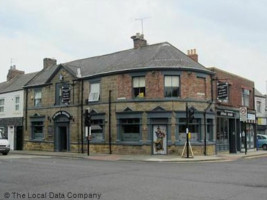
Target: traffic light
(87, 119)
(191, 112)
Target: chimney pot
(192, 53)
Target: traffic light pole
(88, 141)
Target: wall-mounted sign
(226, 113)
(66, 94)
(222, 91)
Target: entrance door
(10, 135)
(19, 138)
(160, 139)
(62, 137)
(232, 136)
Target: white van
(4, 144)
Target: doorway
(62, 137)
(159, 139)
(19, 138)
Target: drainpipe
(82, 129)
(205, 115)
(109, 121)
(26, 109)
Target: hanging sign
(66, 94)
(222, 91)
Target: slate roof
(16, 83)
(157, 56)
(258, 93)
(43, 76)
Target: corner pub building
(137, 99)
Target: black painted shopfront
(228, 127)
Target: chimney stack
(48, 62)
(13, 72)
(192, 53)
(139, 40)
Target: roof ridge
(109, 54)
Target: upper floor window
(139, 87)
(258, 106)
(17, 101)
(2, 105)
(38, 97)
(94, 92)
(245, 97)
(171, 86)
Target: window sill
(36, 140)
(133, 143)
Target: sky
(230, 35)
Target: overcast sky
(230, 35)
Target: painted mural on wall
(160, 139)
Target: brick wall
(191, 86)
(236, 84)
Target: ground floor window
(37, 130)
(97, 130)
(130, 129)
(222, 130)
(193, 127)
(250, 137)
(210, 130)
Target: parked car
(4, 144)
(262, 141)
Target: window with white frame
(94, 92)
(139, 87)
(17, 101)
(245, 97)
(38, 97)
(171, 84)
(2, 105)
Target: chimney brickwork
(49, 62)
(192, 53)
(13, 72)
(139, 40)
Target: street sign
(243, 114)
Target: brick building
(136, 97)
(232, 92)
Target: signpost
(244, 118)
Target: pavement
(221, 157)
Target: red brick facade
(192, 86)
(236, 84)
